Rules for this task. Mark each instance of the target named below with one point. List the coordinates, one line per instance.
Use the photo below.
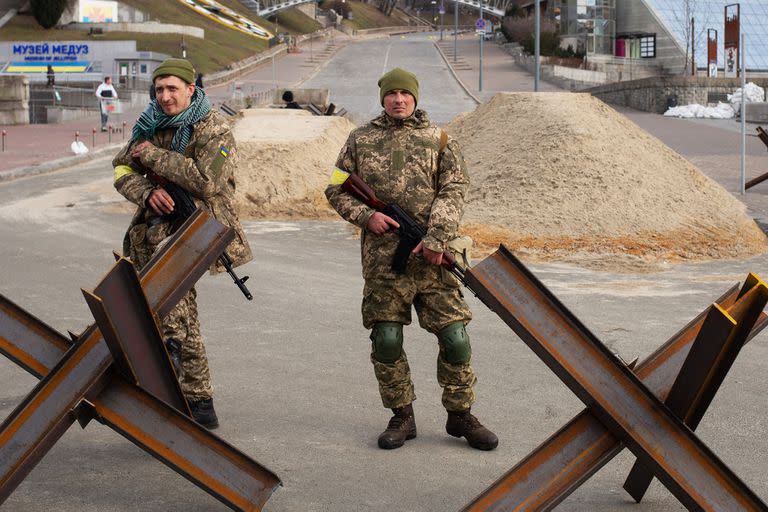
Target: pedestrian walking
(107, 97)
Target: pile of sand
(284, 160)
(562, 176)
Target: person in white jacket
(107, 96)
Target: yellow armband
(123, 170)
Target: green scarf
(154, 119)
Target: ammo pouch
(461, 248)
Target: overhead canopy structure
(711, 14)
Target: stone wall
(14, 100)
(654, 94)
(149, 27)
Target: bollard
(4, 132)
(123, 130)
(109, 133)
(93, 138)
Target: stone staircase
(458, 63)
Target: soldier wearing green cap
(180, 139)
(409, 161)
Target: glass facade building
(592, 22)
(710, 14)
(592, 26)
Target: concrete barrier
(756, 112)
(658, 93)
(148, 27)
(14, 100)
(301, 96)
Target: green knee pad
(387, 338)
(455, 340)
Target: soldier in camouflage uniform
(409, 161)
(180, 139)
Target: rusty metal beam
(713, 353)
(28, 341)
(44, 415)
(204, 459)
(616, 396)
(195, 246)
(125, 320)
(556, 468)
(184, 446)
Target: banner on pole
(712, 52)
(731, 40)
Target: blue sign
(49, 52)
(480, 24)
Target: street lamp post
(537, 47)
(455, 29)
(442, 18)
(482, 38)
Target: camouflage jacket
(399, 160)
(206, 170)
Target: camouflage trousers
(182, 323)
(439, 302)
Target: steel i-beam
(557, 467)
(172, 438)
(705, 368)
(685, 465)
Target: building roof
(711, 14)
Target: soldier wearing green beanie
(399, 79)
(181, 68)
(179, 138)
(411, 162)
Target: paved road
(294, 387)
(353, 77)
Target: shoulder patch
(223, 151)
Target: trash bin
(671, 101)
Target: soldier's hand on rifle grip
(380, 223)
(435, 258)
(160, 201)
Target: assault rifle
(183, 207)
(410, 231)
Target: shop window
(648, 47)
(143, 68)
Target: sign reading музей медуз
(108, 58)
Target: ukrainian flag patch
(223, 151)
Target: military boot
(464, 424)
(204, 413)
(401, 427)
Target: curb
(455, 76)
(59, 164)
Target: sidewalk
(500, 73)
(36, 145)
(36, 148)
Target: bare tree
(686, 11)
